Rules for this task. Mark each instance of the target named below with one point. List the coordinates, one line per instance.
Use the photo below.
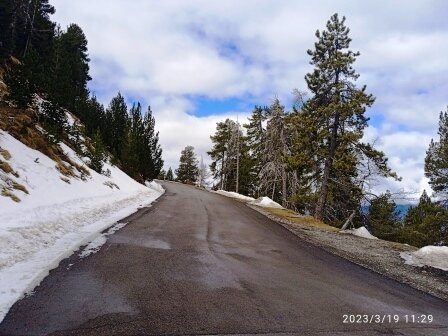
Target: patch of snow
(361, 232)
(56, 217)
(154, 185)
(96, 244)
(434, 256)
(266, 202)
(235, 195)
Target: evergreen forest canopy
(42, 59)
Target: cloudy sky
(197, 62)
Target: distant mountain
(401, 208)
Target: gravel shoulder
(378, 255)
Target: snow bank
(57, 216)
(361, 232)
(235, 195)
(434, 256)
(266, 202)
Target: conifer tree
(335, 119)
(203, 174)
(273, 174)
(133, 147)
(97, 153)
(425, 224)
(436, 161)
(19, 86)
(188, 166)
(151, 156)
(118, 121)
(255, 141)
(54, 120)
(219, 152)
(70, 68)
(169, 175)
(383, 218)
(162, 175)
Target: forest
(47, 68)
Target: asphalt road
(200, 263)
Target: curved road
(200, 263)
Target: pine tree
(255, 141)
(383, 218)
(54, 120)
(97, 153)
(118, 121)
(25, 24)
(19, 86)
(220, 152)
(335, 119)
(425, 224)
(203, 174)
(162, 175)
(151, 156)
(169, 175)
(436, 161)
(273, 174)
(70, 68)
(188, 166)
(133, 147)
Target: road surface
(197, 263)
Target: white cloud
(165, 52)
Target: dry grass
(6, 155)
(298, 219)
(7, 193)
(21, 124)
(7, 168)
(18, 186)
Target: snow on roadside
(360, 232)
(57, 216)
(235, 195)
(434, 256)
(96, 244)
(266, 202)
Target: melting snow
(57, 216)
(266, 202)
(361, 232)
(434, 256)
(235, 195)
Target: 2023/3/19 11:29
(387, 318)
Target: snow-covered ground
(266, 202)
(434, 256)
(235, 195)
(57, 216)
(361, 232)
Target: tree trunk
(349, 220)
(322, 201)
(222, 171)
(284, 187)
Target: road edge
(436, 282)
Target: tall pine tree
(188, 166)
(436, 162)
(335, 118)
(169, 175)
